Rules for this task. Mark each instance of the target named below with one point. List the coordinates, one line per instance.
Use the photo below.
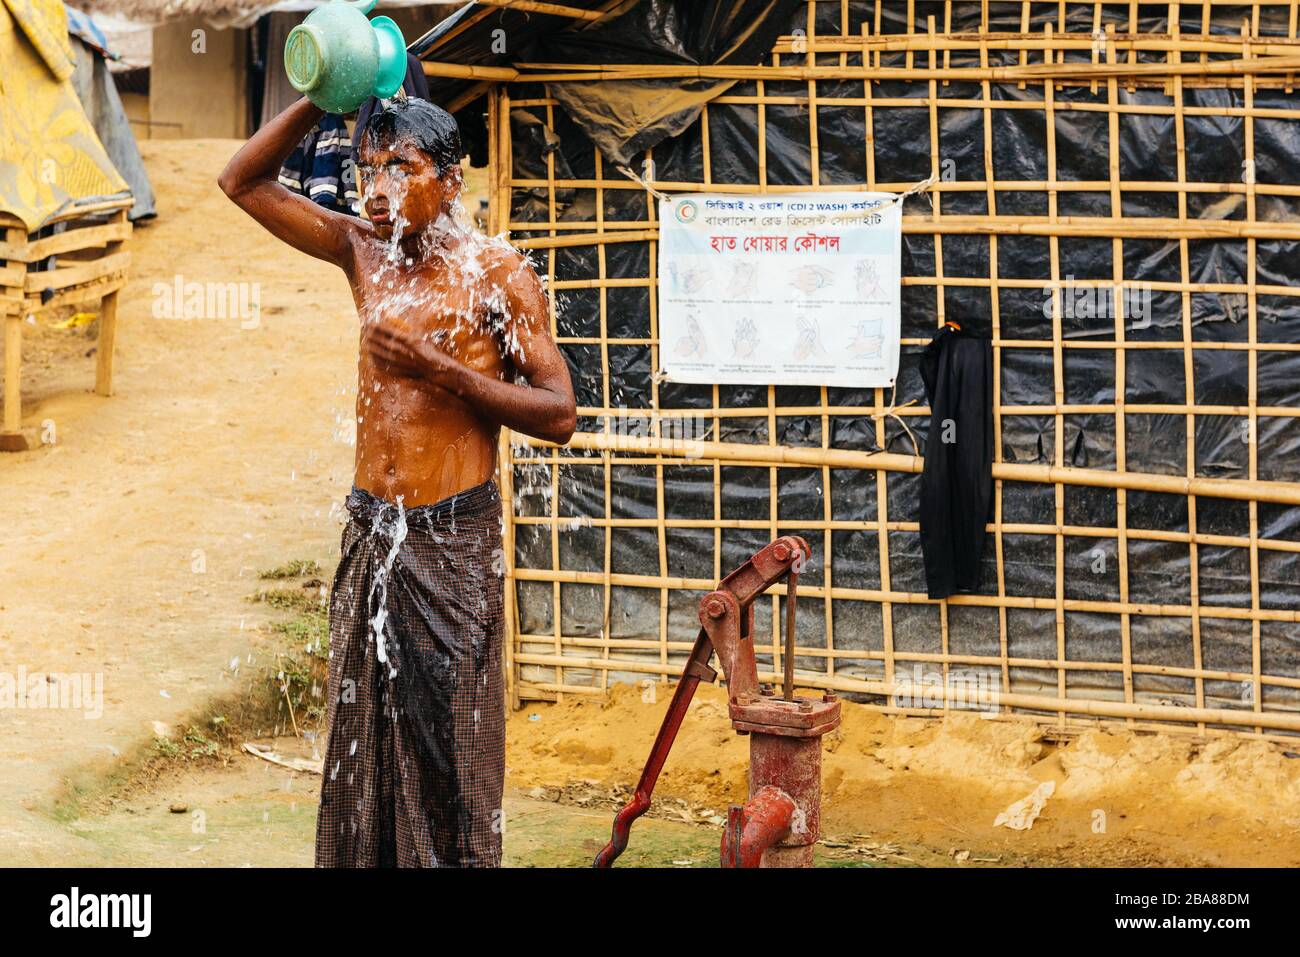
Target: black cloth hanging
(957, 481)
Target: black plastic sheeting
(626, 117)
(1159, 573)
(476, 35)
(622, 117)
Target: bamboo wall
(607, 558)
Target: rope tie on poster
(921, 187)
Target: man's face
(398, 180)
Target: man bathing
(454, 344)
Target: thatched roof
(221, 13)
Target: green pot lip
(389, 75)
(321, 59)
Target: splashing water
(463, 291)
(396, 530)
(396, 287)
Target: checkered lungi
(415, 764)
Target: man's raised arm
(251, 180)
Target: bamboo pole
(498, 125)
(582, 645)
(1252, 384)
(12, 290)
(1011, 528)
(978, 700)
(1026, 42)
(1189, 370)
(1284, 493)
(1056, 71)
(549, 9)
(1079, 227)
(466, 72)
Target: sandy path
(133, 541)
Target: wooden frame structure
(93, 238)
(845, 58)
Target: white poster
(791, 289)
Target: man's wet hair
(429, 127)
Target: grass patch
(298, 568)
(301, 600)
(302, 666)
(287, 691)
(89, 789)
(193, 745)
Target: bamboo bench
(92, 267)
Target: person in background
(321, 167)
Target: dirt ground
(243, 812)
(131, 543)
(134, 540)
(929, 792)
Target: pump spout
(757, 826)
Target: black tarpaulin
(622, 117)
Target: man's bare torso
(455, 336)
(415, 440)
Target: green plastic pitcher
(339, 58)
